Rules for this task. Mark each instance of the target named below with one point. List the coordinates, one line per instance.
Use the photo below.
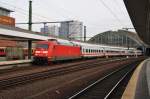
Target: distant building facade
(71, 30)
(5, 18)
(50, 30)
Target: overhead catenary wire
(121, 10)
(119, 7)
(23, 11)
(60, 12)
(111, 11)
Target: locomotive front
(42, 52)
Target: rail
(83, 93)
(22, 79)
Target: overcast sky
(97, 15)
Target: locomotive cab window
(45, 46)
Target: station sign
(6, 20)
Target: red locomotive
(54, 50)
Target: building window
(4, 13)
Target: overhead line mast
(30, 29)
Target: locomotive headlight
(37, 51)
(45, 52)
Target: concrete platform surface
(139, 84)
(10, 64)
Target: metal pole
(44, 28)
(30, 28)
(30, 16)
(68, 31)
(84, 33)
(29, 49)
(128, 43)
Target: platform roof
(132, 35)
(15, 33)
(139, 13)
(6, 9)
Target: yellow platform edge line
(130, 90)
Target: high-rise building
(50, 30)
(44, 30)
(71, 30)
(54, 30)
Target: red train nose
(41, 53)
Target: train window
(45, 46)
(86, 50)
(83, 50)
(1, 50)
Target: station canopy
(121, 38)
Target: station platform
(139, 84)
(10, 64)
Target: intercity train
(59, 49)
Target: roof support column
(30, 28)
(148, 21)
(29, 49)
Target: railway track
(107, 87)
(23, 79)
(22, 67)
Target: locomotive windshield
(44, 46)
